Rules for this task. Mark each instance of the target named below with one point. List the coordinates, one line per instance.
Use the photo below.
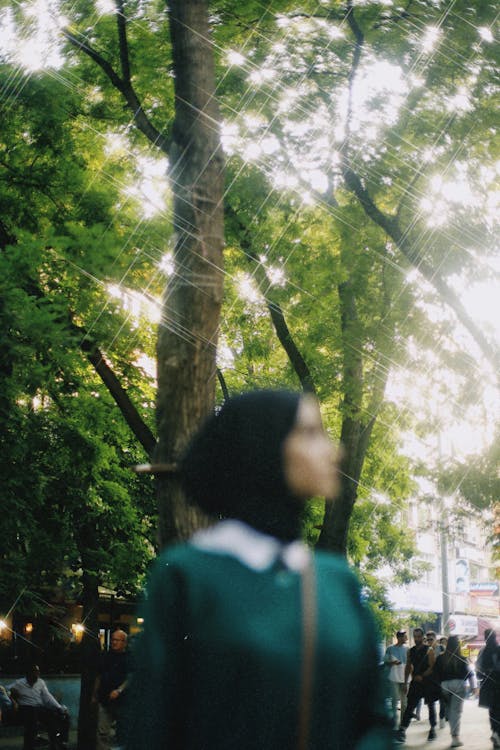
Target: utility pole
(443, 531)
(443, 534)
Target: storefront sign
(489, 588)
(463, 625)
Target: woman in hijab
(452, 670)
(251, 641)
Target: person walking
(438, 648)
(452, 670)
(419, 665)
(488, 672)
(109, 687)
(395, 661)
(250, 639)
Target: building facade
(457, 585)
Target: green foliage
(478, 483)
(70, 229)
(70, 499)
(377, 539)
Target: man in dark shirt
(419, 664)
(109, 687)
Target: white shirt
(34, 695)
(254, 549)
(397, 671)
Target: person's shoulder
(181, 553)
(334, 567)
(177, 559)
(331, 561)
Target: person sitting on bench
(36, 705)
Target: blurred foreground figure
(488, 671)
(250, 640)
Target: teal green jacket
(218, 665)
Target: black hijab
(490, 651)
(233, 467)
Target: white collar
(251, 547)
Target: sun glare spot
(8, 33)
(262, 75)
(235, 58)
(247, 289)
(279, 48)
(116, 144)
(430, 39)
(436, 210)
(335, 33)
(230, 137)
(225, 355)
(287, 100)
(42, 48)
(147, 364)
(460, 102)
(136, 304)
(105, 7)
(252, 151)
(283, 22)
(481, 301)
(254, 121)
(486, 34)
(318, 180)
(276, 275)
(151, 187)
(286, 181)
(270, 144)
(166, 264)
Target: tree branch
(121, 22)
(223, 384)
(285, 337)
(124, 87)
(118, 393)
(391, 226)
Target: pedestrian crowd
(438, 675)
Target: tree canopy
(359, 140)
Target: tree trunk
(87, 718)
(355, 433)
(354, 438)
(187, 339)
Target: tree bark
(87, 717)
(187, 338)
(356, 428)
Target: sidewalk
(16, 742)
(474, 733)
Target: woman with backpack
(452, 670)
